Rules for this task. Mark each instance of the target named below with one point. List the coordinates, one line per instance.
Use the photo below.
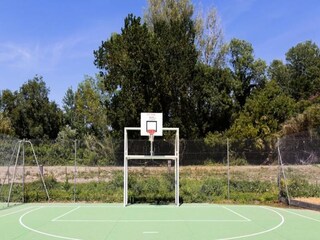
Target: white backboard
(151, 121)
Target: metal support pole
(282, 171)
(41, 175)
(151, 147)
(228, 167)
(125, 169)
(23, 173)
(14, 173)
(75, 171)
(177, 184)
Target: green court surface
(187, 222)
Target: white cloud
(39, 57)
(11, 53)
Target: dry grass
(88, 174)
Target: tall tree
(90, 114)
(263, 113)
(213, 105)
(30, 111)
(209, 39)
(303, 63)
(208, 31)
(150, 71)
(167, 11)
(279, 72)
(127, 65)
(248, 73)
(69, 108)
(177, 60)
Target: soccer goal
(151, 126)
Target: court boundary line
(65, 214)
(228, 238)
(300, 215)
(58, 219)
(262, 232)
(145, 220)
(236, 213)
(11, 213)
(40, 232)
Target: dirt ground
(309, 200)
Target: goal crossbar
(128, 157)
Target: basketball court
(189, 221)
(175, 221)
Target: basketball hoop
(151, 134)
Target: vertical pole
(282, 171)
(151, 146)
(177, 187)
(41, 175)
(279, 166)
(75, 171)
(228, 168)
(23, 173)
(125, 169)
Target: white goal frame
(128, 157)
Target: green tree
(150, 71)
(213, 104)
(167, 11)
(127, 65)
(303, 63)
(69, 108)
(5, 125)
(253, 133)
(263, 113)
(279, 72)
(31, 113)
(248, 73)
(177, 60)
(90, 113)
(308, 120)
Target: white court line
(258, 233)
(228, 238)
(238, 214)
(147, 220)
(39, 232)
(150, 232)
(245, 219)
(65, 214)
(310, 218)
(11, 213)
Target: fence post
(228, 168)
(282, 172)
(75, 171)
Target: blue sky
(56, 38)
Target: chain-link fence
(299, 158)
(230, 170)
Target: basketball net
(151, 134)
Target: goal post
(144, 131)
